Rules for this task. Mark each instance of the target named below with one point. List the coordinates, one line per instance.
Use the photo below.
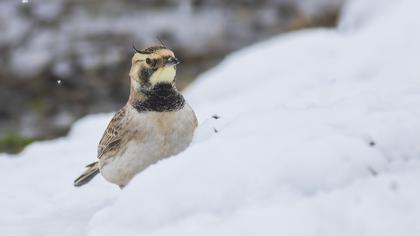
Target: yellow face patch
(163, 74)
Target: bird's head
(151, 66)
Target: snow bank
(319, 134)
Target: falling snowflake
(59, 81)
(25, 1)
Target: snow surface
(319, 134)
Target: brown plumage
(156, 122)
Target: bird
(154, 124)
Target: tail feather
(92, 171)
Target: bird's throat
(165, 74)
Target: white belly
(158, 136)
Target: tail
(92, 171)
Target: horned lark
(156, 122)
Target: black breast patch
(162, 97)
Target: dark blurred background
(61, 60)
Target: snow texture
(318, 133)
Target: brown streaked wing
(111, 138)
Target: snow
(318, 135)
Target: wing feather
(111, 139)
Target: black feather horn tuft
(135, 49)
(161, 42)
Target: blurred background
(61, 60)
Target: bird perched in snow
(156, 122)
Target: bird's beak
(172, 61)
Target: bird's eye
(148, 61)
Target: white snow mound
(319, 134)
